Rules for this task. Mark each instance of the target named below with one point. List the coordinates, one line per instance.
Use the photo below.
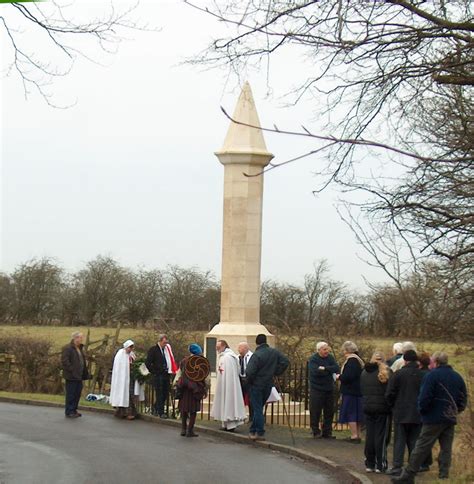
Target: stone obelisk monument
(244, 153)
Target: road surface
(38, 445)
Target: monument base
(234, 333)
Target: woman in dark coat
(373, 384)
(190, 395)
(351, 407)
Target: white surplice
(228, 405)
(120, 386)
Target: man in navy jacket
(322, 368)
(442, 396)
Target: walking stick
(278, 387)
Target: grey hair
(161, 337)
(440, 357)
(408, 345)
(349, 347)
(320, 345)
(76, 334)
(243, 343)
(398, 348)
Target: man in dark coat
(156, 363)
(322, 369)
(442, 396)
(73, 362)
(263, 366)
(402, 396)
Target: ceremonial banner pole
(285, 411)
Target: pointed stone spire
(242, 138)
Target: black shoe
(192, 434)
(164, 416)
(442, 477)
(424, 469)
(72, 415)
(316, 435)
(183, 433)
(328, 436)
(78, 414)
(394, 471)
(352, 441)
(404, 478)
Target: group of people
(419, 395)
(243, 380)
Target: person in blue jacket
(442, 396)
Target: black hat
(261, 339)
(410, 355)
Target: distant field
(60, 335)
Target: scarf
(353, 355)
(170, 361)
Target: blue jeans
(258, 398)
(73, 395)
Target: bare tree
(102, 287)
(143, 295)
(396, 78)
(58, 32)
(37, 284)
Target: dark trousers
(73, 395)
(429, 434)
(405, 436)
(321, 402)
(258, 398)
(245, 392)
(377, 435)
(162, 389)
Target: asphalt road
(38, 445)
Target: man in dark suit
(157, 364)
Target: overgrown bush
(36, 368)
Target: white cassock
(120, 386)
(228, 405)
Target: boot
(404, 478)
(184, 421)
(192, 421)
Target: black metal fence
(293, 407)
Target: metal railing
(293, 407)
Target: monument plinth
(244, 153)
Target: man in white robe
(228, 405)
(123, 388)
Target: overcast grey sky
(129, 170)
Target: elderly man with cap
(74, 367)
(122, 388)
(322, 370)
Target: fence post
(102, 351)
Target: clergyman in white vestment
(123, 388)
(228, 405)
